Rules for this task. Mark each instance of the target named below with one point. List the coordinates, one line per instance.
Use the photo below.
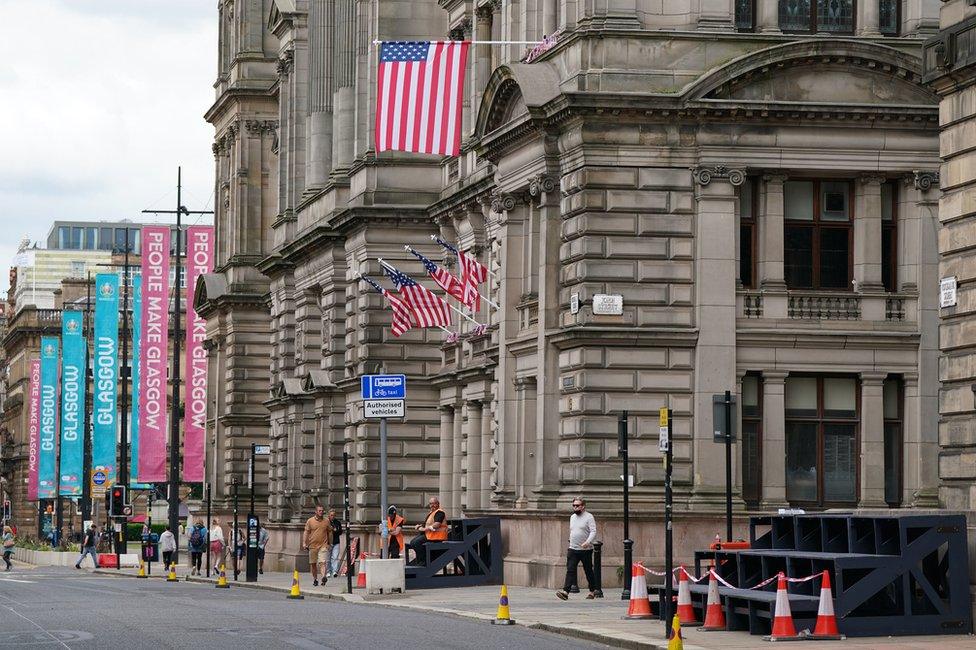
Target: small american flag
(428, 309)
(401, 312)
(444, 279)
(473, 273)
(419, 89)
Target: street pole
(149, 519)
(384, 532)
(233, 542)
(622, 446)
(174, 431)
(208, 530)
(728, 466)
(251, 476)
(668, 538)
(127, 372)
(86, 472)
(345, 505)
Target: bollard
(598, 568)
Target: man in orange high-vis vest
(394, 524)
(434, 529)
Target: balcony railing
(824, 307)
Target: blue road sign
(99, 478)
(384, 386)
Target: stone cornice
(571, 337)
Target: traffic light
(6, 510)
(116, 505)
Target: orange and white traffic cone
(783, 627)
(361, 574)
(714, 615)
(686, 613)
(826, 627)
(640, 606)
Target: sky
(101, 100)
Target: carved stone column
(445, 466)
(867, 232)
(768, 16)
(868, 18)
(320, 27)
(472, 487)
(344, 71)
(774, 439)
(872, 440)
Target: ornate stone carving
(869, 179)
(703, 175)
(542, 183)
(924, 179)
(484, 12)
(502, 202)
(285, 63)
(461, 29)
(258, 127)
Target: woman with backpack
(197, 543)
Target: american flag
(401, 312)
(444, 278)
(473, 273)
(419, 89)
(428, 309)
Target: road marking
(54, 638)
(26, 582)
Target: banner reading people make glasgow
(47, 465)
(154, 343)
(106, 380)
(199, 260)
(33, 427)
(72, 403)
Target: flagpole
(385, 265)
(474, 42)
(437, 239)
(487, 300)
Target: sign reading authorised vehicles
(383, 408)
(384, 386)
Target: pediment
(833, 83)
(209, 286)
(316, 380)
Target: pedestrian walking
(394, 525)
(197, 544)
(336, 543)
(434, 529)
(315, 540)
(88, 544)
(217, 542)
(240, 548)
(8, 546)
(263, 537)
(167, 546)
(582, 533)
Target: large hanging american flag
(444, 278)
(401, 312)
(419, 89)
(428, 309)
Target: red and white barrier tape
(726, 583)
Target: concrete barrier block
(385, 576)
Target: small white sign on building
(574, 303)
(608, 305)
(383, 408)
(947, 291)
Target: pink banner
(199, 260)
(153, 353)
(33, 427)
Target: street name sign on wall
(384, 387)
(384, 408)
(947, 291)
(608, 305)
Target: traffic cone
(685, 611)
(503, 617)
(222, 579)
(171, 576)
(783, 627)
(142, 570)
(361, 574)
(826, 627)
(296, 592)
(714, 615)
(640, 606)
(674, 641)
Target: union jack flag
(428, 309)
(444, 278)
(419, 89)
(401, 312)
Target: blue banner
(133, 403)
(47, 463)
(105, 415)
(72, 403)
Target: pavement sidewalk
(598, 620)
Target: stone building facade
(758, 181)
(950, 68)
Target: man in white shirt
(582, 533)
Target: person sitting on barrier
(434, 529)
(394, 527)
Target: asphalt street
(48, 607)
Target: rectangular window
(120, 239)
(135, 243)
(817, 234)
(822, 416)
(75, 238)
(90, 243)
(889, 237)
(890, 17)
(745, 15)
(893, 442)
(64, 237)
(751, 400)
(105, 239)
(825, 16)
(77, 269)
(747, 232)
